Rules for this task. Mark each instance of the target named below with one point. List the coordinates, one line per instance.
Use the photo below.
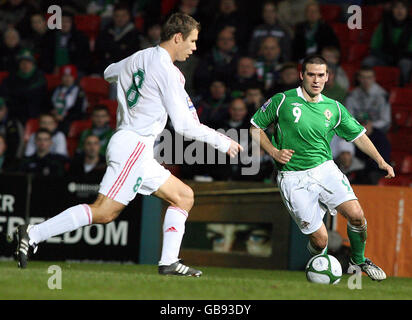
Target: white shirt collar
(300, 94)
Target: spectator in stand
(44, 162)
(59, 143)
(90, 164)
(288, 78)
(269, 62)
(332, 89)
(151, 37)
(291, 13)
(244, 77)
(312, 35)
(15, 13)
(343, 154)
(12, 131)
(332, 56)
(213, 107)
(66, 46)
(68, 100)
(102, 8)
(100, 127)
(118, 40)
(7, 159)
(9, 49)
(369, 97)
(254, 98)
(391, 43)
(37, 36)
(228, 16)
(270, 27)
(237, 116)
(219, 63)
(372, 173)
(26, 89)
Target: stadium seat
(371, 16)
(401, 116)
(350, 70)
(397, 158)
(89, 24)
(167, 6)
(53, 80)
(96, 89)
(31, 127)
(330, 12)
(3, 75)
(396, 181)
(387, 77)
(406, 165)
(401, 96)
(400, 140)
(357, 52)
(139, 22)
(76, 128)
(342, 31)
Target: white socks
(173, 230)
(69, 220)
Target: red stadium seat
(350, 70)
(387, 77)
(31, 127)
(53, 80)
(3, 75)
(397, 159)
(167, 6)
(96, 89)
(401, 116)
(330, 12)
(139, 23)
(357, 52)
(400, 140)
(371, 15)
(401, 96)
(342, 31)
(89, 24)
(406, 166)
(76, 128)
(397, 181)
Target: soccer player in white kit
(149, 88)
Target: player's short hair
(313, 59)
(178, 23)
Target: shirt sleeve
(111, 73)
(268, 112)
(182, 112)
(348, 127)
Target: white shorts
(309, 194)
(131, 168)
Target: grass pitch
(126, 281)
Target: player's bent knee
(186, 199)
(357, 217)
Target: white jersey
(150, 87)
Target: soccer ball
(324, 269)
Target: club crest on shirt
(328, 114)
(265, 105)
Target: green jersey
(306, 127)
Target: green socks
(357, 237)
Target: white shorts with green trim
(309, 194)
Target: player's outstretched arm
(365, 145)
(259, 136)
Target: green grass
(127, 281)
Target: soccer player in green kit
(309, 181)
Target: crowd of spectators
(247, 52)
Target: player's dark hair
(178, 23)
(313, 59)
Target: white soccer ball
(324, 269)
